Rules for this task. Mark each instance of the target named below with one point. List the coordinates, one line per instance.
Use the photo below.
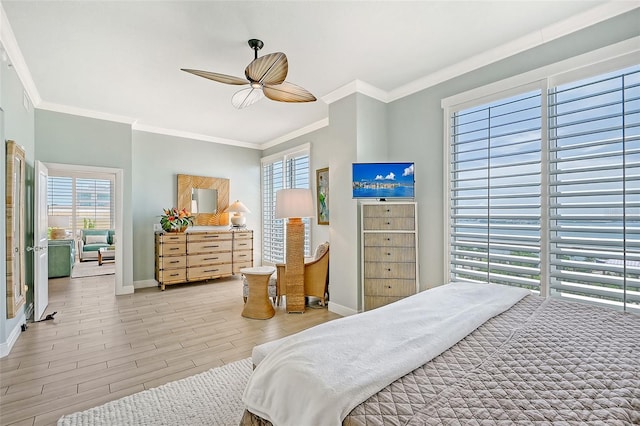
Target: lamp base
(238, 220)
(294, 269)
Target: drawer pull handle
(173, 275)
(212, 258)
(388, 254)
(388, 286)
(388, 223)
(212, 270)
(212, 236)
(388, 210)
(388, 239)
(389, 269)
(174, 248)
(211, 246)
(174, 261)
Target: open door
(40, 248)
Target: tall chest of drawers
(389, 252)
(201, 255)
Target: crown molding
(529, 41)
(16, 60)
(296, 133)
(82, 112)
(356, 86)
(196, 136)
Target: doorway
(94, 205)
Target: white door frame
(119, 211)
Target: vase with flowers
(175, 220)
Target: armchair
(316, 275)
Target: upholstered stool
(273, 294)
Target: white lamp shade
(294, 203)
(238, 207)
(58, 221)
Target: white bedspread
(317, 376)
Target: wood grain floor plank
(101, 347)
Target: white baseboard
(145, 284)
(341, 310)
(5, 347)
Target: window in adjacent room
(282, 171)
(545, 189)
(87, 199)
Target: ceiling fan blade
(221, 78)
(245, 97)
(287, 92)
(268, 69)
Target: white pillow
(94, 239)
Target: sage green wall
(158, 159)
(17, 125)
(416, 127)
(71, 139)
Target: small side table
(258, 305)
(106, 253)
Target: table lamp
(294, 204)
(58, 225)
(237, 208)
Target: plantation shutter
(94, 203)
(60, 197)
(281, 172)
(495, 198)
(595, 189)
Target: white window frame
(304, 149)
(607, 59)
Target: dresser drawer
(239, 265)
(372, 302)
(165, 249)
(209, 259)
(404, 270)
(388, 224)
(392, 287)
(172, 238)
(209, 271)
(171, 275)
(389, 211)
(242, 235)
(242, 256)
(172, 262)
(389, 254)
(389, 240)
(208, 246)
(243, 244)
(208, 236)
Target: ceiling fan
(265, 75)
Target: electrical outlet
(157, 227)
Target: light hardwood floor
(101, 347)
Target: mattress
(542, 361)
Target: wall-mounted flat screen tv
(383, 180)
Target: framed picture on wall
(322, 191)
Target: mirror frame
(186, 183)
(15, 181)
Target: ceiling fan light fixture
(265, 76)
(245, 97)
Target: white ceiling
(123, 58)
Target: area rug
(210, 398)
(91, 269)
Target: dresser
(201, 255)
(389, 252)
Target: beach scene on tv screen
(383, 180)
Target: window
(594, 128)
(495, 192)
(87, 200)
(545, 190)
(282, 171)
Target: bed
(538, 361)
